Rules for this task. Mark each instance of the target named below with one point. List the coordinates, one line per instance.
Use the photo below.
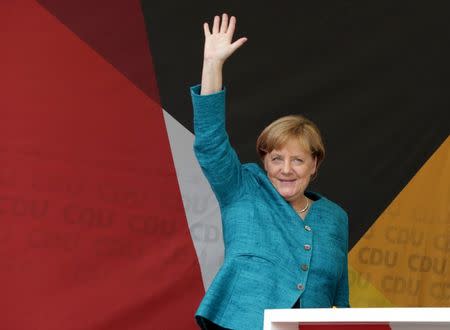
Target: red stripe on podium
(344, 327)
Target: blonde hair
(295, 127)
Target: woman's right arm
(217, 158)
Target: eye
(298, 160)
(276, 158)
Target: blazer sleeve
(341, 298)
(216, 157)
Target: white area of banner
(200, 204)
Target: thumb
(238, 43)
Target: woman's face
(290, 169)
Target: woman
(284, 246)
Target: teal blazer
(272, 256)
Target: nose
(286, 169)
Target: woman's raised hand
(218, 42)
(218, 47)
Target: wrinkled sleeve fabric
(341, 298)
(218, 160)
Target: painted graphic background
(106, 221)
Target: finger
(231, 26)
(216, 24)
(206, 29)
(238, 43)
(224, 25)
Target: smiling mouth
(286, 181)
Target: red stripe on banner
(116, 30)
(93, 233)
(344, 327)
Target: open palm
(218, 42)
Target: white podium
(396, 318)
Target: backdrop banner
(106, 221)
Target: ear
(265, 160)
(315, 166)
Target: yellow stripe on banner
(405, 255)
(363, 293)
